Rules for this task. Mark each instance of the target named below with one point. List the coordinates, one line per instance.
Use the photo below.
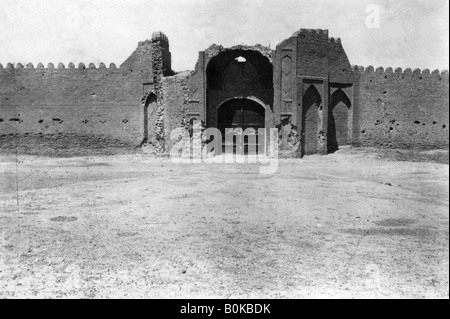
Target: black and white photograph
(237, 151)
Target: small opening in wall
(1, 120)
(416, 122)
(363, 132)
(423, 124)
(434, 122)
(391, 128)
(444, 126)
(40, 121)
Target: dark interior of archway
(310, 120)
(241, 113)
(338, 121)
(255, 62)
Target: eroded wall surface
(176, 104)
(80, 106)
(403, 108)
(91, 105)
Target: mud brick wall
(86, 105)
(403, 109)
(102, 103)
(91, 106)
(176, 105)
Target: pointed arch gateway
(239, 89)
(247, 114)
(338, 121)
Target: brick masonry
(307, 87)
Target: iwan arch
(306, 88)
(288, 88)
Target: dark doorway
(150, 103)
(338, 117)
(310, 121)
(242, 114)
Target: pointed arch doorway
(312, 104)
(245, 114)
(338, 121)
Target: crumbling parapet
(164, 48)
(215, 50)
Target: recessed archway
(338, 121)
(310, 120)
(242, 113)
(237, 72)
(149, 102)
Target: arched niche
(338, 121)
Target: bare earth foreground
(353, 224)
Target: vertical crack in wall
(157, 61)
(185, 119)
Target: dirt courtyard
(354, 224)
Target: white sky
(412, 33)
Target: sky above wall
(410, 33)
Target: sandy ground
(353, 224)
